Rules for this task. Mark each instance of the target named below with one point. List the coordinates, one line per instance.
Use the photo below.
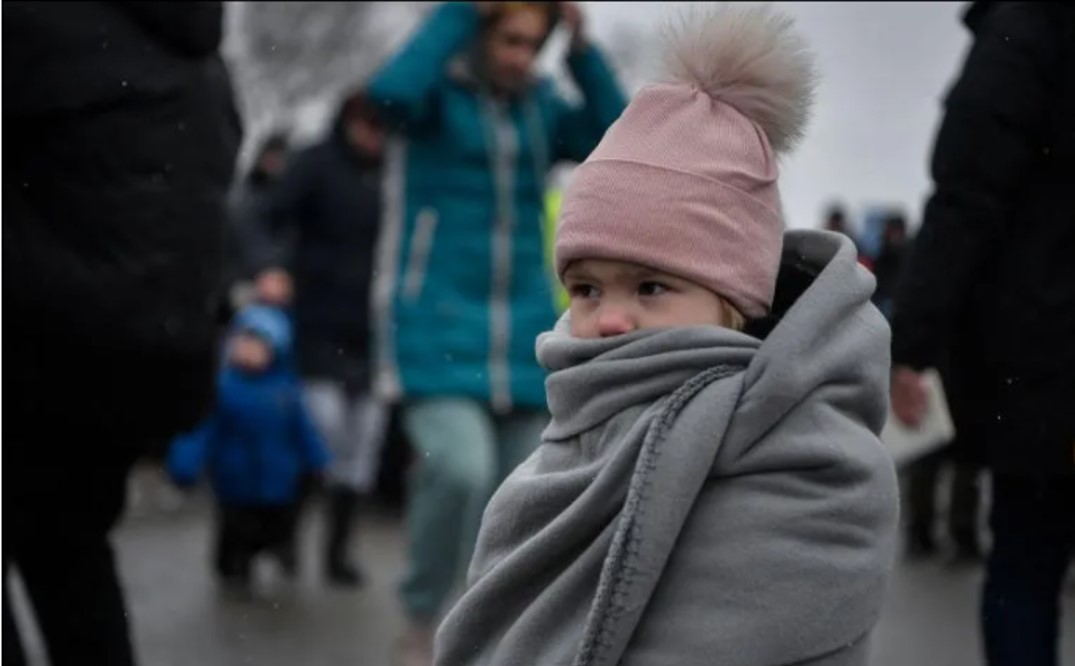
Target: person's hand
(909, 395)
(273, 286)
(575, 22)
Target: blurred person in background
(249, 245)
(259, 446)
(464, 288)
(888, 264)
(836, 220)
(990, 286)
(323, 218)
(121, 137)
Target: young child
(259, 446)
(711, 488)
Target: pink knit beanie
(685, 181)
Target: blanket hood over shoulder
(702, 496)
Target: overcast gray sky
(885, 67)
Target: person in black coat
(888, 265)
(249, 248)
(120, 136)
(990, 286)
(325, 215)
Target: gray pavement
(180, 618)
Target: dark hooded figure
(323, 216)
(120, 136)
(990, 286)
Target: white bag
(936, 430)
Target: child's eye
(652, 288)
(583, 291)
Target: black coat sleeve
(987, 142)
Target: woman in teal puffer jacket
(463, 286)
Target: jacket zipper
(503, 148)
(387, 384)
(418, 259)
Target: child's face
(250, 353)
(615, 297)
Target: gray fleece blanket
(700, 496)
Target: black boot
(342, 507)
(233, 555)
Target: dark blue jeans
(1033, 523)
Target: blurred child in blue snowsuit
(259, 447)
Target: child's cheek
(581, 321)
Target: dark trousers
(964, 497)
(1033, 525)
(244, 532)
(59, 506)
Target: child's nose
(613, 320)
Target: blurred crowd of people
(266, 329)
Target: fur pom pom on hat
(686, 180)
(753, 61)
